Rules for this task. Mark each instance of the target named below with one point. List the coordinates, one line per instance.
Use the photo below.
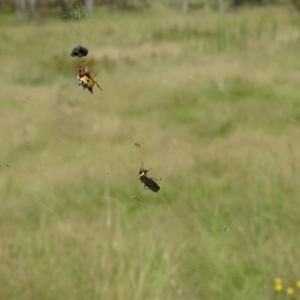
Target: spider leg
(98, 85)
(80, 63)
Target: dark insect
(137, 144)
(148, 182)
(85, 78)
(79, 51)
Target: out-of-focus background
(209, 91)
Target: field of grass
(214, 103)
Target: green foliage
(213, 102)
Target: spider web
(93, 206)
(86, 208)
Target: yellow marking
(89, 82)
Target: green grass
(214, 102)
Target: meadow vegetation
(214, 103)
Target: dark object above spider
(79, 51)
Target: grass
(212, 100)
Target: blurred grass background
(214, 102)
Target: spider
(85, 78)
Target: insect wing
(151, 184)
